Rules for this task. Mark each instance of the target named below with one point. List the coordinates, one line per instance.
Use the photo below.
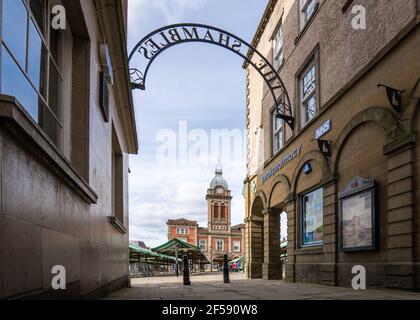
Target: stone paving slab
(210, 286)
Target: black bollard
(226, 278)
(187, 281)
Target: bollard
(187, 281)
(226, 270)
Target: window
(117, 179)
(312, 218)
(278, 55)
(203, 245)
(219, 245)
(31, 62)
(222, 213)
(182, 230)
(183, 239)
(307, 10)
(105, 78)
(236, 246)
(278, 132)
(308, 83)
(216, 213)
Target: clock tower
(220, 237)
(219, 203)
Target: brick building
(357, 202)
(220, 237)
(183, 229)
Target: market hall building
(219, 237)
(66, 128)
(347, 176)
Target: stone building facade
(220, 237)
(357, 202)
(66, 128)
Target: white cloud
(159, 193)
(182, 87)
(171, 10)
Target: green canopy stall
(177, 247)
(147, 263)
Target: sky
(194, 88)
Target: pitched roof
(148, 253)
(168, 248)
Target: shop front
(347, 174)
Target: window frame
(313, 58)
(304, 18)
(223, 213)
(117, 181)
(239, 246)
(278, 52)
(182, 230)
(281, 130)
(45, 37)
(302, 217)
(204, 243)
(305, 97)
(217, 244)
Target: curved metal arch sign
(151, 46)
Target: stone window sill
(16, 120)
(309, 250)
(117, 224)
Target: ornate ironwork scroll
(151, 46)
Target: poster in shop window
(313, 218)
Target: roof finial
(219, 169)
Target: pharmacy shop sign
(288, 158)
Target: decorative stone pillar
(255, 252)
(328, 267)
(246, 248)
(291, 242)
(400, 268)
(272, 268)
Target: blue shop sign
(323, 130)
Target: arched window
(223, 213)
(216, 213)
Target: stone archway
(379, 115)
(272, 266)
(391, 142)
(316, 156)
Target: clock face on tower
(220, 190)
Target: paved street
(210, 287)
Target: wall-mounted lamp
(394, 97)
(325, 147)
